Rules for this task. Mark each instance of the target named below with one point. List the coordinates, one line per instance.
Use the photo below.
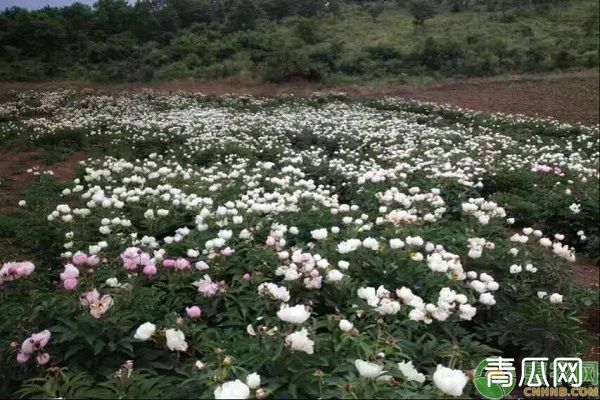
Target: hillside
(338, 42)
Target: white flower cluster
(483, 210)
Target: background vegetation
(282, 40)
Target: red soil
(14, 177)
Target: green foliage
(63, 383)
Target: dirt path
(586, 274)
(570, 97)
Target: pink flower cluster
(546, 169)
(15, 270)
(97, 305)
(179, 263)
(80, 258)
(70, 277)
(134, 257)
(208, 288)
(35, 344)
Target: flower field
(235, 247)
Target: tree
(112, 17)
(421, 10)
(310, 8)
(278, 9)
(191, 11)
(242, 15)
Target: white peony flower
(253, 380)
(449, 381)
(466, 311)
(334, 276)
(410, 372)
(319, 234)
(396, 244)
(487, 299)
(556, 298)
(232, 390)
(346, 325)
(367, 369)
(145, 331)
(370, 243)
(299, 341)
(295, 315)
(113, 282)
(176, 340)
(149, 214)
(515, 269)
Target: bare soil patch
(587, 275)
(572, 98)
(14, 175)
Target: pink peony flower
(130, 252)
(99, 307)
(22, 358)
(28, 346)
(25, 268)
(206, 286)
(93, 260)
(80, 258)
(133, 257)
(41, 339)
(149, 270)
(247, 276)
(35, 342)
(130, 263)
(70, 272)
(15, 270)
(168, 263)
(70, 284)
(43, 358)
(193, 312)
(88, 298)
(182, 264)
